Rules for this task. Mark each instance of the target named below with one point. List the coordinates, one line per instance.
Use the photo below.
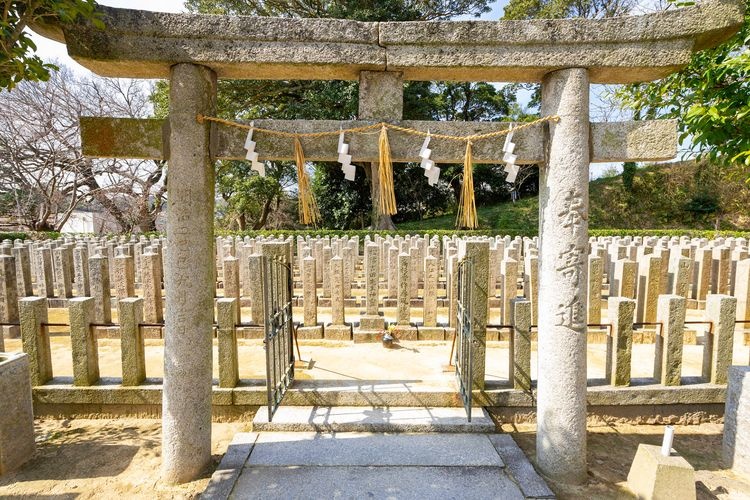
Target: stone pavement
(309, 464)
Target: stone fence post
(620, 345)
(82, 341)
(668, 352)
(226, 313)
(520, 364)
(35, 338)
(719, 344)
(130, 313)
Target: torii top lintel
(144, 44)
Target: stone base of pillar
(10, 332)
(372, 322)
(251, 332)
(152, 332)
(107, 332)
(405, 332)
(431, 333)
(655, 476)
(494, 335)
(362, 336)
(310, 332)
(338, 332)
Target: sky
(49, 50)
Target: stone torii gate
(564, 55)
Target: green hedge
(32, 235)
(692, 233)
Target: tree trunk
(264, 215)
(378, 220)
(242, 222)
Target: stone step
(374, 465)
(363, 449)
(373, 419)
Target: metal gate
(277, 314)
(465, 333)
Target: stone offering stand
(564, 55)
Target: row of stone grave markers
(346, 275)
(671, 313)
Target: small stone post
(742, 290)
(703, 272)
(309, 292)
(151, 285)
(83, 342)
(563, 235)
(23, 271)
(100, 290)
(430, 292)
(531, 285)
(45, 277)
(720, 270)
(81, 270)
(668, 351)
(649, 286)
(63, 273)
(256, 290)
(680, 273)
(620, 346)
(226, 313)
(338, 329)
(124, 274)
(520, 365)
(8, 298)
(509, 272)
(35, 338)
(130, 313)
(404, 287)
(717, 351)
(594, 292)
(232, 284)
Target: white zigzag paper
(350, 171)
(425, 152)
(252, 155)
(434, 174)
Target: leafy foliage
(558, 9)
(710, 97)
(17, 59)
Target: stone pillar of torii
(566, 56)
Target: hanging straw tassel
(308, 208)
(387, 195)
(467, 208)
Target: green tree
(17, 58)
(710, 98)
(558, 9)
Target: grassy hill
(682, 195)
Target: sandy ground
(120, 459)
(104, 459)
(611, 449)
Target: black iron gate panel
(465, 333)
(277, 314)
